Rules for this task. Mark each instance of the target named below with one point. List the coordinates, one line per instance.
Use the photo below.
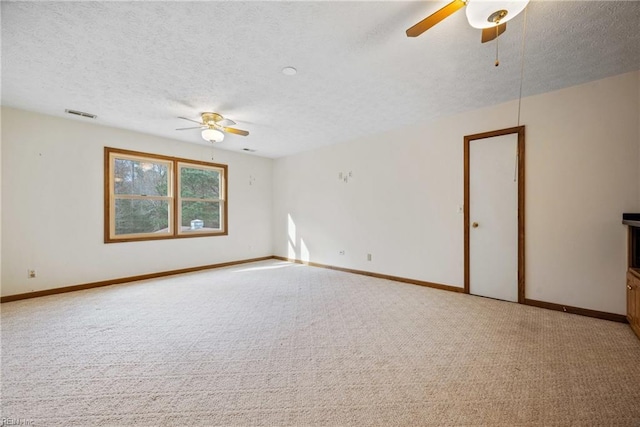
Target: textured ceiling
(139, 65)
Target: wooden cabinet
(633, 300)
(632, 220)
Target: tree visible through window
(146, 199)
(199, 198)
(141, 196)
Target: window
(148, 196)
(200, 200)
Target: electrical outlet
(31, 274)
(368, 257)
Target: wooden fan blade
(236, 131)
(433, 19)
(489, 34)
(195, 127)
(191, 120)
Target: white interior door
(493, 217)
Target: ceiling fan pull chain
(497, 38)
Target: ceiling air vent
(81, 114)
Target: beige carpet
(278, 344)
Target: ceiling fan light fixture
(212, 135)
(489, 13)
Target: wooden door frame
(519, 130)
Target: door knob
(629, 287)
(474, 225)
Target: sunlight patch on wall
(291, 228)
(291, 233)
(304, 251)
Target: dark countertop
(631, 219)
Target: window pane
(201, 216)
(141, 216)
(140, 177)
(199, 183)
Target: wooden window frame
(179, 199)
(173, 196)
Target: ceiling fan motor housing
(211, 118)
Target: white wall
(0, 200)
(52, 199)
(582, 147)
(400, 205)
